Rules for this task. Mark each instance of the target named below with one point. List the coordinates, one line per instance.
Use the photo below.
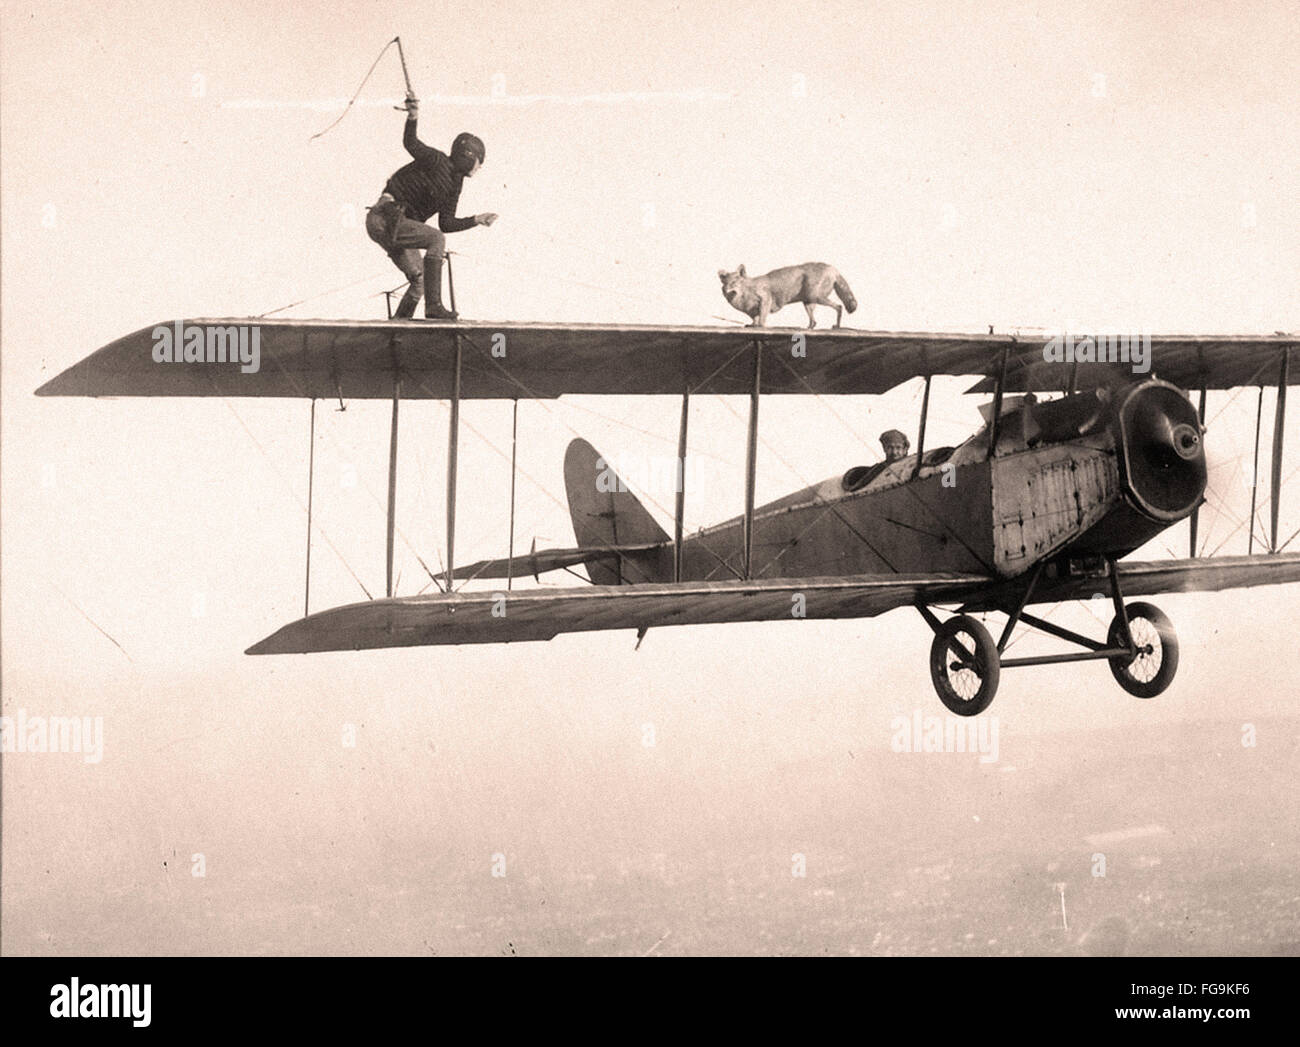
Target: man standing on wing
(430, 184)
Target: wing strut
(1279, 420)
(1254, 482)
(1196, 513)
(311, 474)
(392, 484)
(453, 448)
(680, 507)
(995, 424)
(514, 447)
(920, 437)
(751, 453)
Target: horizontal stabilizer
(547, 560)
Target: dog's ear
(723, 274)
(741, 270)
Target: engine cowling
(1161, 453)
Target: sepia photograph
(649, 480)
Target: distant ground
(905, 854)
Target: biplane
(1077, 465)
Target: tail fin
(846, 296)
(606, 513)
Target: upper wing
(362, 359)
(1191, 363)
(540, 614)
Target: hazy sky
(961, 164)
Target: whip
(405, 76)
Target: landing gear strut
(965, 664)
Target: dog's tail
(846, 296)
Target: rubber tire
(986, 652)
(1168, 652)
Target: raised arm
(413, 145)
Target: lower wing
(540, 614)
(1147, 578)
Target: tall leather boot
(433, 308)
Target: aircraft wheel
(964, 665)
(1152, 669)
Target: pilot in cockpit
(895, 443)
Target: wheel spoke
(1146, 663)
(963, 675)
